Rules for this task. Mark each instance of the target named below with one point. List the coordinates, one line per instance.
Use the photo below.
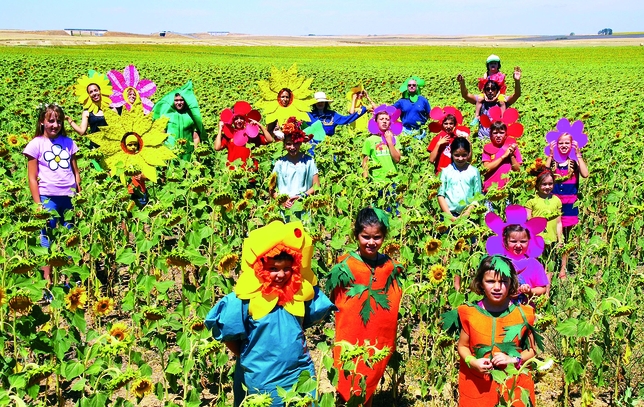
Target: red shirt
(236, 152)
(444, 151)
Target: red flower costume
(505, 333)
(368, 301)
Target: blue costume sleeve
(317, 309)
(226, 319)
(338, 119)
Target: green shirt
(378, 151)
(549, 208)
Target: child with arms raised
(262, 322)
(370, 315)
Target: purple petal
(146, 88)
(395, 115)
(494, 245)
(131, 76)
(390, 111)
(252, 130)
(494, 222)
(536, 246)
(373, 127)
(396, 128)
(381, 108)
(552, 136)
(576, 128)
(516, 215)
(563, 125)
(546, 150)
(581, 139)
(536, 225)
(117, 80)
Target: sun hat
(321, 97)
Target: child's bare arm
(517, 87)
(466, 95)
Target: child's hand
(500, 360)
(459, 78)
(289, 202)
(517, 73)
(482, 365)
(525, 289)
(575, 146)
(553, 145)
(510, 150)
(221, 125)
(443, 140)
(251, 121)
(389, 136)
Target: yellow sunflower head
(437, 274)
(228, 262)
(460, 246)
(432, 246)
(141, 387)
(133, 140)
(119, 331)
(13, 140)
(93, 91)
(267, 242)
(285, 94)
(3, 296)
(76, 299)
(103, 306)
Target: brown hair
(485, 266)
(542, 177)
(44, 112)
(498, 125)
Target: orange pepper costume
(376, 292)
(507, 333)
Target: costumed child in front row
(495, 333)
(365, 285)
(263, 321)
(448, 125)
(564, 159)
(52, 170)
(501, 155)
(518, 239)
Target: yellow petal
(306, 292)
(259, 307)
(157, 135)
(295, 308)
(156, 156)
(247, 283)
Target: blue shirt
(459, 187)
(413, 115)
(330, 119)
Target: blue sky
(334, 17)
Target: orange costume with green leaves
(507, 333)
(368, 299)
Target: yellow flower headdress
(269, 241)
(80, 91)
(301, 95)
(150, 134)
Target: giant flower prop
(576, 132)
(301, 95)
(150, 135)
(125, 82)
(395, 125)
(240, 136)
(498, 78)
(254, 283)
(80, 91)
(413, 97)
(439, 114)
(515, 215)
(509, 117)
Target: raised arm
(218, 145)
(395, 154)
(83, 126)
(517, 87)
(464, 92)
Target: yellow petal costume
(301, 95)
(269, 241)
(80, 91)
(150, 134)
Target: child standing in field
(500, 156)
(449, 127)
(495, 333)
(565, 161)
(380, 148)
(460, 181)
(52, 170)
(492, 84)
(263, 321)
(369, 316)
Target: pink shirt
(490, 153)
(55, 174)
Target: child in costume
(371, 315)
(518, 239)
(546, 205)
(491, 93)
(52, 170)
(413, 106)
(565, 161)
(495, 333)
(448, 126)
(93, 91)
(275, 299)
(136, 188)
(297, 174)
(381, 146)
(460, 181)
(500, 156)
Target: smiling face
(179, 103)
(545, 187)
(292, 148)
(239, 122)
(284, 98)
(493, 67)
(369, 241)
(517, 242)
(94, 93)
(320, 105)
(495, 288)
(564, 144)
(384, 121)
(52, 124)
(461, 158)
(131, 95)
(280, 271)
(449, 125)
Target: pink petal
(396, 128)
(515, 215)
(395, 114)
(147, 105)
(117, 80)
(495, 223)
(511, 115)
(536, 246)
(536, 225)
(131, 76)
(437, 114)
(454, 111)
(146, 88)
(252, 130)
(117, 99)
(495, 113)
(242, 108)
(240, 139)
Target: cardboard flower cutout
(515, 215)
(362, 123)
(413, 97)
(127, 82)
(509, 117)
(165, 106)
(240, 136)
(576, 132)
(395, 125)
(254, 283)
(301, 97)
(80, 91)
(149, 153)
(439, 113)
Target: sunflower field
(131, 287)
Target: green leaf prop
(499, 263)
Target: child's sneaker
(475, 122)
(47, 296)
